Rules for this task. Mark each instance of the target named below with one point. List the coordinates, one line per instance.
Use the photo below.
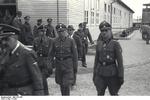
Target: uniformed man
(87, 35)
(20, 71)
(50, 31)
(27, 32)
(37, 27)
(108, 67)
(17, 22)
(78, 42)
(80, 33)
(65, 52)
(43, 47)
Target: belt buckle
(61, 59)
(41, 55)
(104, 63)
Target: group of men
(25, 71)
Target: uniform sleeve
(78, 42)
(89, 36)
(74, 55)
(35, 72)
(35, 31)
(119, 59)
(96, 58)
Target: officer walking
(78, 42)
(20, 71)
(17, 22)
(80, 34)
(50, 31)
(43, 47)
(87, 35)
(27, 32)
(65, 52)
(37, 27)
(108, 66)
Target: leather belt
(106, 63)
(17, 85)
(42, 55)
(63, 58)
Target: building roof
(124, 5)
(148, 4)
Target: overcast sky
(136, 6)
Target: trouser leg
(65, 90)
(113, 85)
(100, 85)
(46, 92)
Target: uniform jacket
(21, 67)
(27, 33)
(87, 35)
(50, 31)
(43, 47)
(17, 22)
(78, 42)
(108, 59)
(65, 49)
(35, 30)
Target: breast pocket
(67, 49)
(110, 55)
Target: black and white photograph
(74, 48)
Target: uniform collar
(13, 51)
(62, 39)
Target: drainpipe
(57, 11)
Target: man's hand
(121, 80)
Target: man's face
(49, 22)
(27, 20)
(39, 23)
(106, 34)
(80, 28)
(5, 42)
(61, 33)
(70, 31)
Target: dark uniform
(78, 42)
(50, 31)
(87, 35)
(37, 27)
(43, 47)
(108, 67)
(84, 43)
(20, 71)
(27, 32)
(65, 52)
(17, 22)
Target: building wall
(44, 9)
(75, 14)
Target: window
(114, 11)
(97, 4)
(92, 17)
(92, 4)
(86, 16)
(109, 8)
(97, 18)
(120, 12)
(7, 1)
(86, 3)
(105, 5)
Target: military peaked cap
(70, 27)
(61, 27)
(104, 25)
(8, 30)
